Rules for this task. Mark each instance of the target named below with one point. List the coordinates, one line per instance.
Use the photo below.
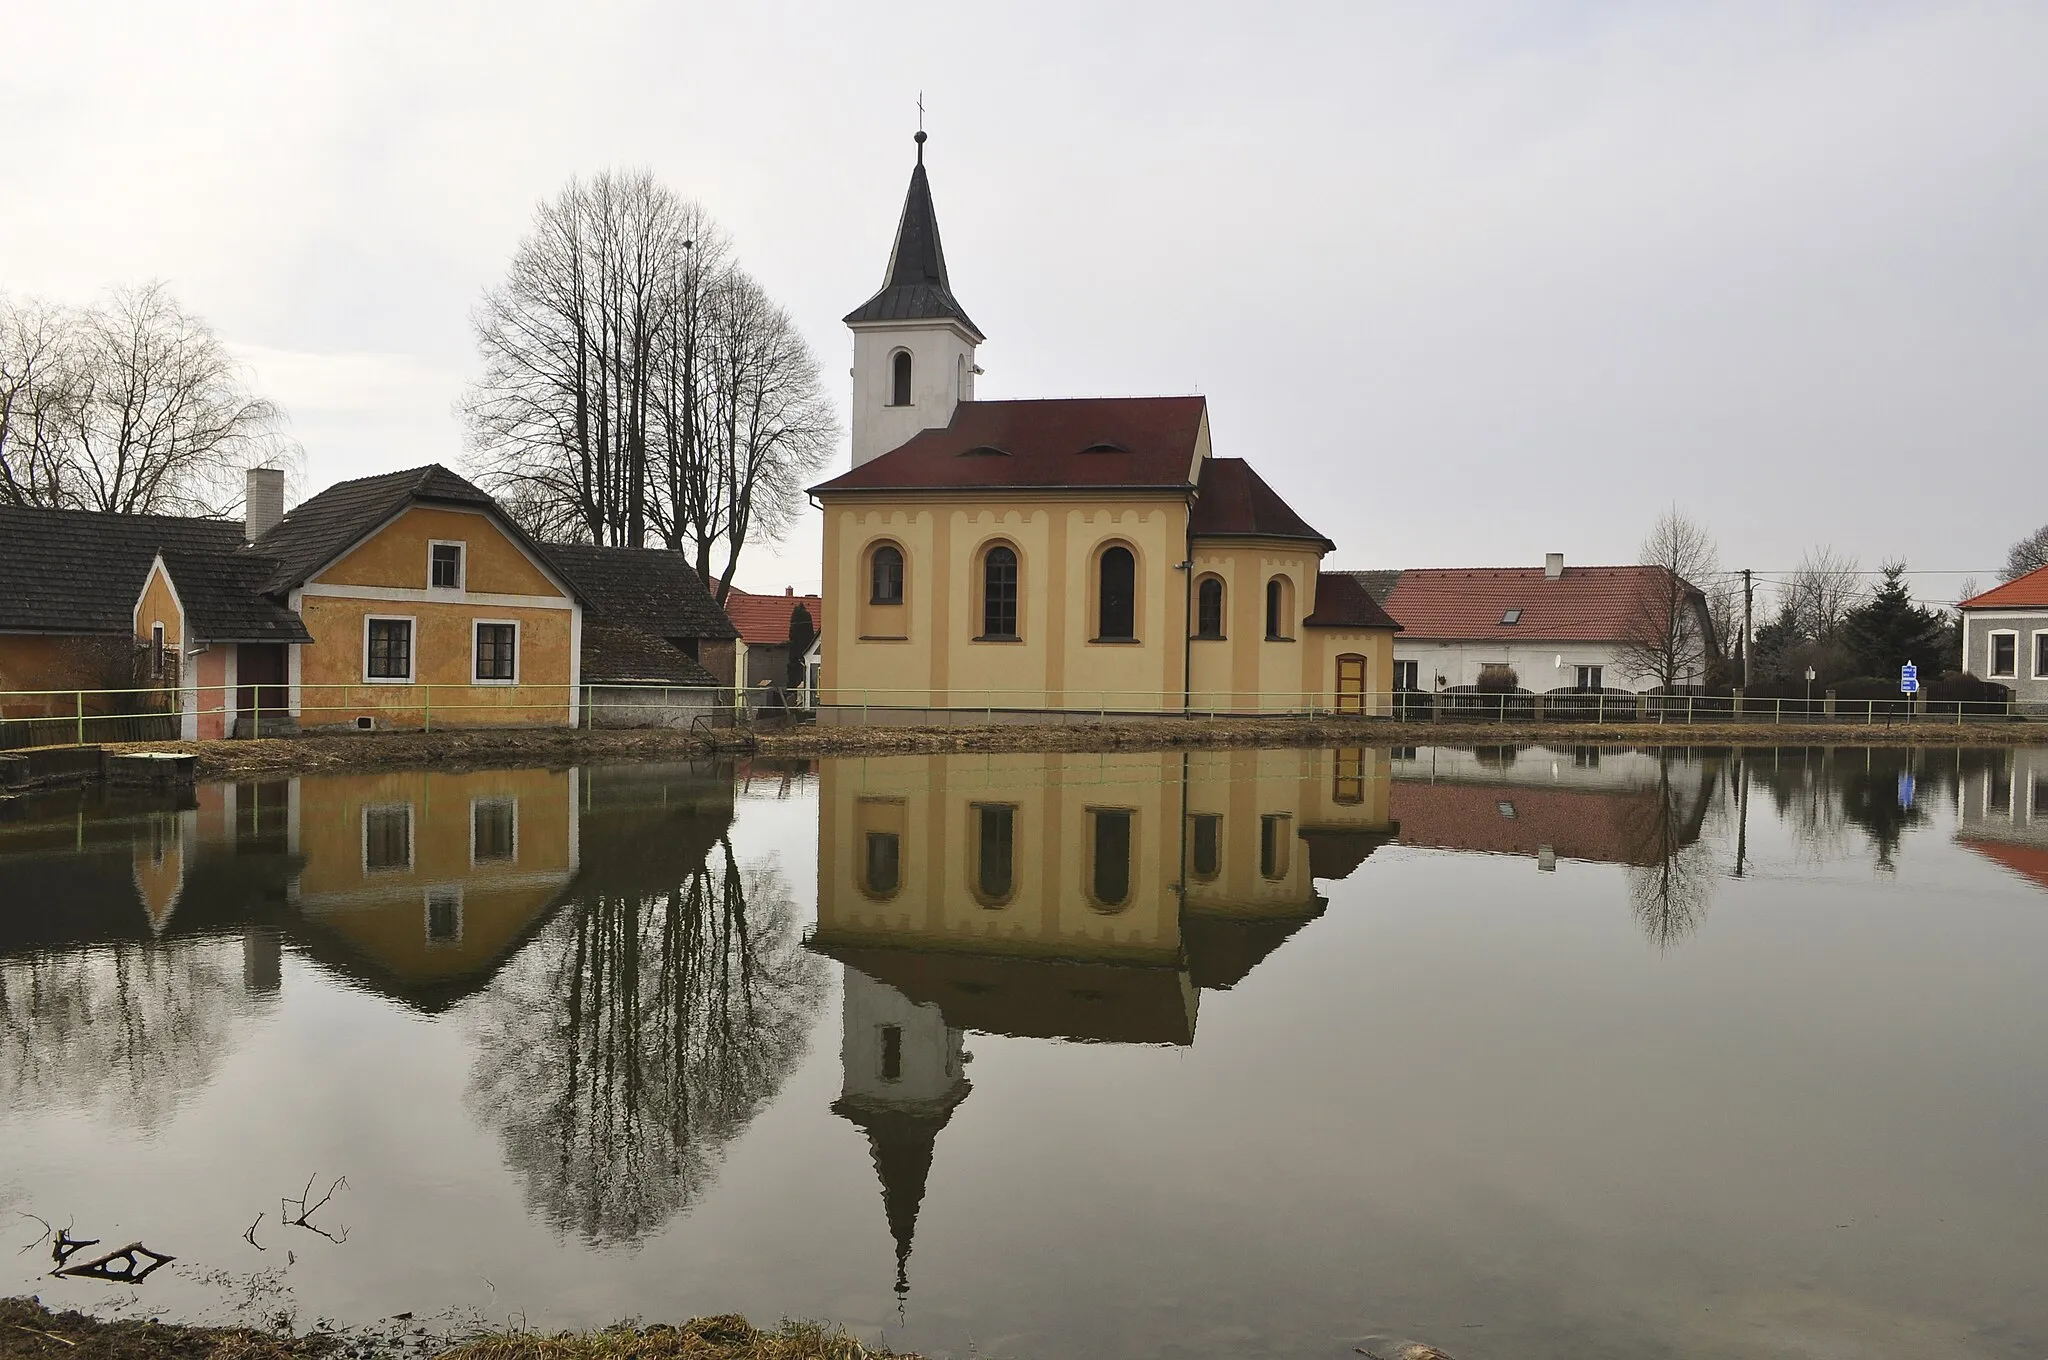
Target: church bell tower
(913, 343)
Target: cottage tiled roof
(1597, 825)
(763, 620)
(224, 601)
(615, 655)
(1233, 501)
(1342, 601)
(915, 287)
(2022, 592)
(1585, 604)
(653, 590)
(321, 529)
(1378, 584)
(2028, 861)
(80, 571)
(1091, 442)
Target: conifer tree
(1889, 629)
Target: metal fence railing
(62, 717)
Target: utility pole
(1748, 607)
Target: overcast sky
(1467, 283)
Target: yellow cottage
(1061, 558)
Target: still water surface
(1585, 1051)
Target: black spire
(916, 288)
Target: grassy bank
(549, 746)
(27, 1329)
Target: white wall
(939, 351)
(931, 1052)
(1539, 666)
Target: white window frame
(518, 637)
(411, 838)
(1991, 637)
(1599, 670)
(412, 651)
(461, 569)
(1992, 780)
(2040, 650)
(498, 801)
(427, 917)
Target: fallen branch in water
(66, 1246)
(302, 1218)
(40, 1240)
(130, 1271)
(250, 1235)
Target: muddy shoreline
(502, 748)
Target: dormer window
(444, 566)
(899, 379)
(1105, 446)
(1511, 616)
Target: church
(1048, 559)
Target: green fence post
(426, 708)
(80, 697)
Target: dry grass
(28, 1331)
(717, 1338)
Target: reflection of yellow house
(1061, 556)
(425, 882)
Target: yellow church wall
(925, 653)
(933, 805)
(1320, 648)
(1245, 672)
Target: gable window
(387, 838)
(999, 593)
(1205, 850)
(899, 379)
(886, 575)
(1591, 677)
(1209, 608)
(892, 1053)
(497, 653)
(1109, 871)
(995, 831)
(2005, 655)
(444, 916)
(1117, 619)
(156, 650)
(387, 649)
(494, 831)
(444, 566)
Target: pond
(1585, 1051)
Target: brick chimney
(262, 502)
(1553, 566)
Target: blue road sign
(1905, 790)
(1909, 679)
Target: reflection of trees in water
(1672, 867)
(639, 1034)
(1821, 795)
(121, 1030)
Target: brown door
(260, 678)
(1350, 684)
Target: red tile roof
(1585, 604)
(1342, 601)
(2022, 592)
(1146, 442)
(1234, 502)
(763, 620)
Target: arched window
(1118, 615)
(884, 868)
(887, 575)
(899, 379)
(1109, 874)
(960, 378)
(995, 837)
(999, 593)
(1206, 849)
(1276, 837)
(1209, 608)
(1278, 625)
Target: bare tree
(1824, 587)
(2029, 554)
(133, 406)
(638, 386)
(1668, 636)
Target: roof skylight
(1511, 616)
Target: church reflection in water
(1091, 898)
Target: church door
(1350, 684)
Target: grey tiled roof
(319, 530)
(80, 571)
(1378, 584)
(224, 601)
(653, 590)
(627, 656)
(916, 287)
